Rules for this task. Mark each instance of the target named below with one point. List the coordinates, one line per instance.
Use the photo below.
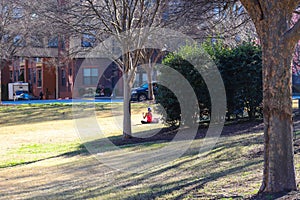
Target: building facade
(97, 77)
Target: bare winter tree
(217, 19)
(101, 19)
(49, 38)
(125, 16)
(15, 23)
(149, 58)
(110, 18)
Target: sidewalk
(66, 101)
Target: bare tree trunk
(279, 171)
(127, 133)
(150, 86)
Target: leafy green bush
(240, 68)
(170, 108)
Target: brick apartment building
(47, 70)
(46, 65)
(42, 75)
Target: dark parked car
(141, 93)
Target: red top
(149, 117)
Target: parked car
(141, 93)
(19, 94)
(26, 96)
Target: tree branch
(292, 5)
(254, 9)
(293, 34)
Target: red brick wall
(49, 81)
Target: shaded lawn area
(220, 174)
(232, 170)
(11, 115)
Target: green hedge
(241, 71)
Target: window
(88, 40)
(21, 59)
(165, 15)
(6, 38)
(34, 77)
(53, 42)
(115, 47)
(17, 13)
(62, 42)
(37, 60)
(19, 41)
(63, 77)
(39, 83)
(15, 75)
(29, 74)
(90, 76)
(21, 75)
(34, 16)
(36, 41)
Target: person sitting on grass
(147, 117)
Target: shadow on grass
(163, 135)
(189, 183)
(159, 183)
(81, 150)
(183, 178)
(23, 114)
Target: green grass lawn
(42, 157)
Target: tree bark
(271, 19)
(279, 171)
(127, 133)
(128, 79)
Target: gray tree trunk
(127, 133)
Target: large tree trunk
(271, 19)
(279, 172)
